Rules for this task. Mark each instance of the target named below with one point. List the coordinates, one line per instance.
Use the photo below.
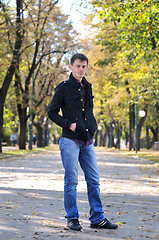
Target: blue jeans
(71, 154)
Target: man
(74, 98)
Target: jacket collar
(75, 81)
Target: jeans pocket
(61, 144)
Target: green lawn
(143, 153)
(11, 151)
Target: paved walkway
(31, 198)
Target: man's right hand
(73, 127)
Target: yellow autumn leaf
(119, 223)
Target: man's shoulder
(60, 88)
(62, 84)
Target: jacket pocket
(80, 127)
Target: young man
(74, 98)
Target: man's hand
(73, 127)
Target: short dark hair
(80, 56)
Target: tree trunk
(147, 138)
(23, 127)
(131, 126)
(45, 136)
(39, 134)
(119, 132)
(111, 139)
(1, 125)
(155, 134)
(104, 136)
(126, 138)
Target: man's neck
(78, 79)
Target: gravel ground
(31, 198)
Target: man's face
(79, 69)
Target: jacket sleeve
(55, 106)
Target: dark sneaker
(74, 225)
(104, 224)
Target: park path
(31, 198)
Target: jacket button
(79, 89)
(85, 119)
(83, 109)
(87, 130)
(81, 100)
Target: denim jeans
(72, 153)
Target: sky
(70, 7)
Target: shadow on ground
(31, 199)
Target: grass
(143, 153)
(153, 156)
(12, 152)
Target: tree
(15, 46)
(128, 31)
(48, 37)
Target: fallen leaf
(119, 213)
(119, 223)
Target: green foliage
(10, 124)
(128, 35)
(137, 26)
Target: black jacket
(68, 98)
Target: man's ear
(70, 66)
